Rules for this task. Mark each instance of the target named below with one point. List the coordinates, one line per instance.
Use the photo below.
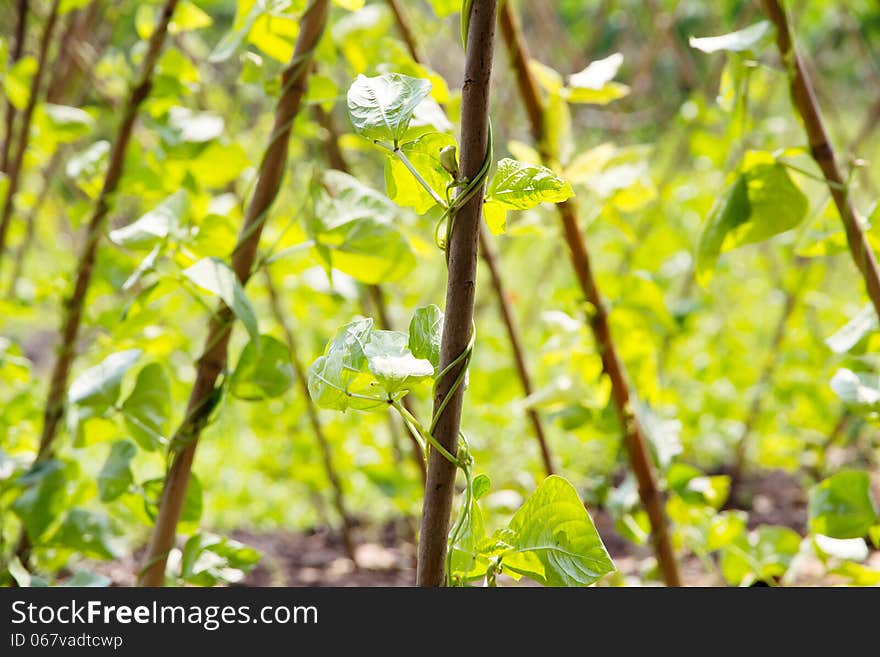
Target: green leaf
(67, 123)
(87, 532)
(843, 506)
(761, 555)
(762, 202)
(424, 154)
(42, 499)
(381, 107)
(594, 84)
(392, 363)
(343, 371)
(154, 226)
(744, 40)
(115, 476)
(481, 485)
(192, 502)
(263, 371)
(208, 559)
(215, 276)
(17, 81)
(556, 543)
(858, 389)
(147, 411)
(98, 387)
(520, 186)
(466, 558)
(425, 333)
(851, 333)
(233, 40)
(355, 231)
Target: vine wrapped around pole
(461, 251)
(633, 436)
(212, 362)
(804, 99)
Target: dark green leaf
(87, 532)
(843, 506)
(263, 371)
(115, 476)
(147, 411)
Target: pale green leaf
(393, 364)
(555, 542)
(154, 226)
(382, 107)
(746, 39)
(98, 387)
(215, 276)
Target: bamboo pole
(462, 253)
(213, 359)
(633, 435)
(804, 100)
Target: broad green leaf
(66, 123)
(88, 533)
(342, 371)
(761, 555)
(208, 559)
(381, 107)
(747, 39)
(851, 333)
(392, 363)
(263, 371)
(354, 232)
(192, 501)
(762, 202)
(425, 333)
(43, 497)
(424, 154)
(556, 543)
(843, 506)
(218, 165)
(275, 34)
(98, 387)
(115, 476)
(519, 186)
(155, 225)
(594, 84)
(17, 81)
(481, 485)
(215, 276)
(859, 389)
(147, 410)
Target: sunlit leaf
(263, 371)
(215, 276)
(382, 107)
(843, 506)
